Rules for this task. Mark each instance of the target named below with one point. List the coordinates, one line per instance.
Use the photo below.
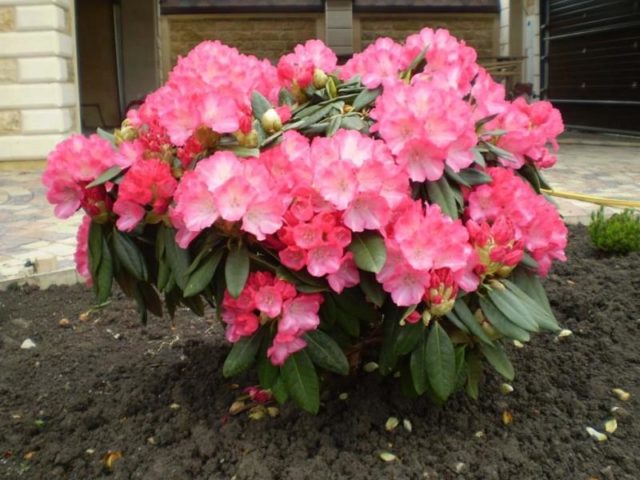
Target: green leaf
(372, 289)
(441, 362)
(418, 59)
(242, 355)
(473, 176)
(194, 304)
(178, 258)
(498, 152)
(244, 152)
(530, 174)
(540, 311)
(408, 337)
(104, 278)
(106, 176)
(353, 302)
(301, 380)
(369, 251)
(326, 353)
(440, 192)
(390, 328)
(259, 105)
(150, 298)
(164, 273)
(203, 275)
(353, 122)
(512, 308)
(109, 137)
(334, 125)
(95, 246)
(498, 359)
(236, 270)
(501, 323)
(474, 374)
(365, 98)
(418, 366)
(532, 286)
(464, 314)
(285, 98)
(279, 390)
(130, 255)
(479, 158)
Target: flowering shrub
(386, 209)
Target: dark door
(591, 61)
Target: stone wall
(264, 35)
(478, 30)
(38, 99)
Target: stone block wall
(38, 96)
(264, 35)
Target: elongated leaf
(478, 158)
(279, 390)
(267, 372)
(501, 323)
(408, 337)
(203, 275)
(529, 262)
(390, 328)
(512, 308)
(326, 353)
(178, 258)
(353, 302)
(365, 98)
(372, 289)
(453, 318)
(353, 122)
(474, 374)
(369, 251)
(538, 310)
(301, 380)
(532, 286)
(499, 152)
(461, 367)
(236, 270)
(259, 105)
(95, 247)
(418, 59)
(108, 136)
(130, 256)
(440, 192)
(334, 125)
(285, 98)
(105, 177)
(150, 298)
(242, 354)
(104, 278)
(530, 174)
(498, 359)
(318, 115)
(441, 362)
(465, 315)
(418, 366)
(473, 176)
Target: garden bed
(156, 394)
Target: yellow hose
(607, 202)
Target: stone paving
(33, 243)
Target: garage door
(591, 61)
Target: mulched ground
(156, 394)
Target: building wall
(38, 94)
(477, 29)
(264, 35)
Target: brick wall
(38, 99)
(265, 36)
(478, 30)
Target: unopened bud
(271, 121)
(319, 78)
(506, 389)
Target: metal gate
(591, 62)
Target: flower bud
(271, 121)
(319, 78)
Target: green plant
(619, 234)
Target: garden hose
(607, 202)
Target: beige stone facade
(38, 97)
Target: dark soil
(156, 394)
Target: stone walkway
(36, 245)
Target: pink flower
(298, 67)
(346, 276)
(82, 249)
(382, 60)
(284, 344)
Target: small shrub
(619, 234)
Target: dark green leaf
(365, 98)
(259, 105)
(326, 353)
(164, 273)
(540, 311)
(194, 304)
(151, 298)
(95, 247)
(418, 59)
(485, 120)
(109, 137)
(418, 365)
(498, 359)
(334, 125)
(390, 329)
(464, 314)
(441, 362)
(279, 390)
(501, 323)
(242, 354)
(203, 275)
(474, 375)
(236, 270)
(353, 122)
(104, 278)
(532, 286)
(408, 337)
(440, 192)
(529, 262)
(130, 255)
(372, 289)
(301, 380)
(178, 258)
(267, 371)
(512, 308)
(285, 98)
(498, 152)
(461, 367)
(473, 176)
(106, 176)
(479, 158)
(369, 251)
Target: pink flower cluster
(226, 187)
(496, 245)
(211, 87)
(82, 249)
(76, 162)
(299, 67)
(535, 221)
(380, 62)
(421, 240)
(266, 299)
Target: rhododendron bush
(385, 210)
